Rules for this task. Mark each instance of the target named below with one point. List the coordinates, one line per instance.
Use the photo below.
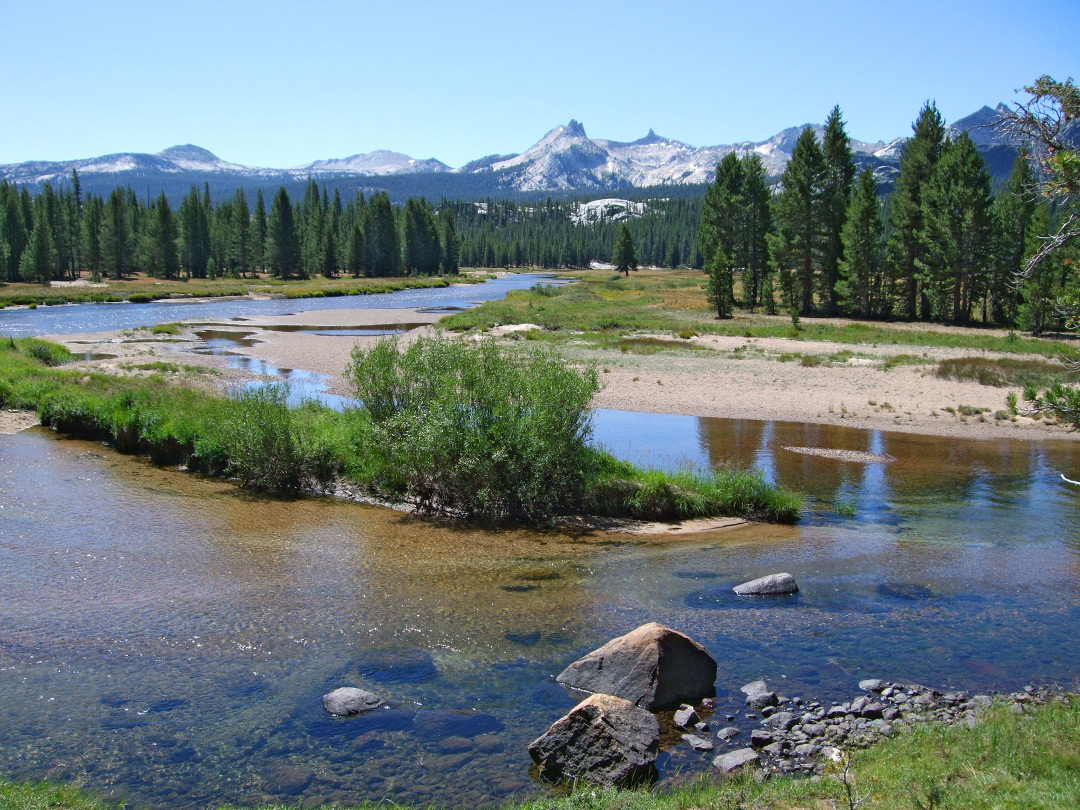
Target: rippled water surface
(168, 639)
(74, 318)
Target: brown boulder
(653, 667)
(604, 740)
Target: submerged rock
(348, 700)
(653, 667)
(605, 740)
(771, 585)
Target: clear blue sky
(279, 84)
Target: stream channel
(166, 639)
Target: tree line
(59, 234)
(941, 247)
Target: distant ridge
(565, 160)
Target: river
(166, 638)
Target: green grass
(674, 302)
(485, 434)
(1003, 372)
(165, 329)
(1006, 762)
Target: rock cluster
(796, 736)
(611, 738)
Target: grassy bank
(603, 311)
(140, 288)
(495, 454)
(1006, 761)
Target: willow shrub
(470, 429)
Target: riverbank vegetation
(449, 427)
(603, 310)
(1007, 760)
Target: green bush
(471, 429)
(46, 353)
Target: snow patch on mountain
(610, 210)
(378, 163)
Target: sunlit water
(168, 639)
(74, 318)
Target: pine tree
(239, 236)
(282, 243)
(117, 238)
(1014, 207)
(93, 251)
(625, 256)
(258, 233)
(839, 177)
(959, 237)
(719, 286)
(906, 250)
(194, 235)
(451, 247)
(161, 257)
(800, 215)
(860, 287)
(381, 237)
(38, 260)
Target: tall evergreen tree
(721, 229)
(162, 260)
(93, 250)
(117, 238)
(861, 286)
(38, 262)
(906, 248)
(381, 237)
(959, 231)
(451, 247)
(258, 233)
(240, 236)
(1015, 206)
(800, 215)
(839, 177)
(625, 256)
(282, 243)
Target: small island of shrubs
(451, 427)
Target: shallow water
(168, 638)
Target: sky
(280, 84)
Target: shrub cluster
(469, 429)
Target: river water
(166, 639)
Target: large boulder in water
(653, 667)
(348, 700)
(604, 740)
(771, 585)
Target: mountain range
(565, 160)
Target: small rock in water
(728, 764)
(727, 733)
(685, 716)
(348, 700)
(872, 685)
(771, 585)
(697, 743)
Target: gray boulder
(348, 700)
(758, 695)
(697, 743)
(771, 585)
(653, 667)
(605, 740)
(728, 764)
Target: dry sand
(723, 377)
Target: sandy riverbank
(714, 376)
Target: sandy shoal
(731, 377)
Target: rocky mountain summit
(564, 159)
